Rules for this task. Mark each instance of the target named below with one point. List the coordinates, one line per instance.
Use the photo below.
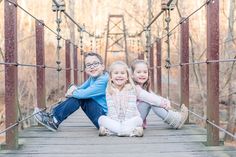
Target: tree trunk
(231, 20)
(231, 103)
(231, 113)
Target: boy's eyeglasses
(89, 66)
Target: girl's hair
(128, 86)
(147, 84)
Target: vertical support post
(75, 65)
(11, 77)
(40, 60)
(213, 72)
(184, 58)
(158, 59)
(151, 63)
(68, 67)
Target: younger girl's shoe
(176, 119)
(184, 115)
(137, 132)
(103, 131)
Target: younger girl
(123, 117)
(149, 100)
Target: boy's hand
(70, 91)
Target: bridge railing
(12, 66)
(212, 63)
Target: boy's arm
(85, 84)
(96, 89)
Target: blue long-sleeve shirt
(94, 88)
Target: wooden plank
(77, 137)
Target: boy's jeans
(91, 108)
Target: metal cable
(20, 121)
(27, 12)
(36, 66)
(207, 1)
(200, 62)
(208, 121)
(153, 20)
(67, 15)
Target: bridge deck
(77, 137)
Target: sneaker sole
(44, 124)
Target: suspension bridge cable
(207, 1)
(208, 121)
(154, 19)
(67, 15)
(34, 65)
(27, 12)
(22, 120)
(200, 62)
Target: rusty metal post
(75, 65)
(213, 72)
(158, 59)
(68, 68)
(184, 58)
(40, 60)
(85, 76)
(11, 77)
(151, 63)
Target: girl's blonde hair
(147, 84)
(130, 83)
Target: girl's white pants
(124, 128)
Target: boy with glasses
(90, 96)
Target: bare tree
(196, 68)
(1, 53)
(231, 103)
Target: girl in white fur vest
(123, 117)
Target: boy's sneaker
(45, 119)
(103, 131)
(137, 132)
(184, 115)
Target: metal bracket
(168, 4)
(58, 5)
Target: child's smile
(119, 77)
(140, 74)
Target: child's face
(119, 76)
(140, 73)
(93, 66)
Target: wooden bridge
(78, 137)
